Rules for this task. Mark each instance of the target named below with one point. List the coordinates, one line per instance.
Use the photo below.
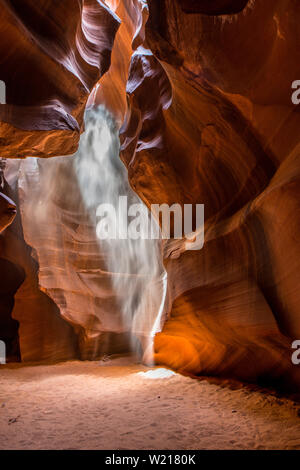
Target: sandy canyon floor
(118, 404)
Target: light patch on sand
(159, 373)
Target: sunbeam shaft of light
(138, 276)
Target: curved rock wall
(71, 266)
(226, 138)
(31, 323)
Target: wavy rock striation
(52, 55)
(217, 129)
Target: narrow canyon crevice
(201, 121)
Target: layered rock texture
(202, 94)
(218, 127)
(52, 54)
(66, 306)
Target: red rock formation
(222, 141)
(65, 263)
(52, 54)
(30, 322)
(209, 119)
(72, 269)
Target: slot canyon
(161, 102)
